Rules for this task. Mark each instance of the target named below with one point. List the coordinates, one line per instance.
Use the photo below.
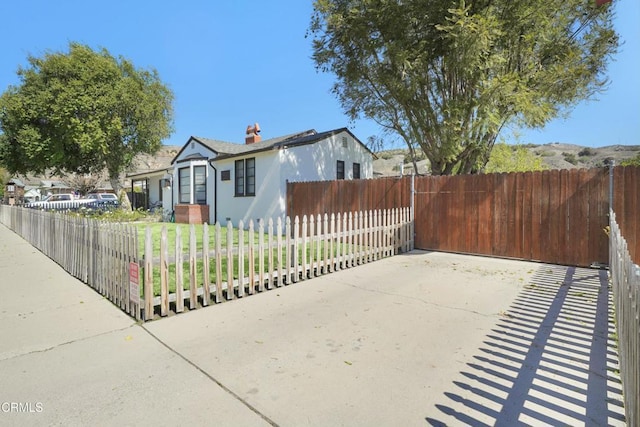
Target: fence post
(218, 232)
(148, 275)
(179, 271)
(206, 280)
(164, 273)
(230, 291)
(612, 164)
(270, 254)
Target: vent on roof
(253, 134)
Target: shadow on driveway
(550, 360)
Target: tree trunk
(125, 203)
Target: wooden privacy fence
(98, 253)
(236, 262)
(555, 216)
(625, 279)
(311, 198)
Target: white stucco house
(214, 181)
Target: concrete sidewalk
(417, 339)
(70, 357)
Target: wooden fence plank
(230, 291)
(179, 256)
(148, 275)
(251, 256)
(164, 273)
(261, 255)
(271, 267)
(193, 270)
(240, 259)
(218, 243)
(288, 249)
(206, 279)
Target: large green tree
(82, 111)
(447, 76)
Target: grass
(311, 252)
(156, 230)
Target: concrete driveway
(417, 339)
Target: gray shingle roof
(225, 150)
(16, 181)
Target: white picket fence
(231, 262)
(98, 253)
(273, 255)
(625, 279)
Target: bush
(587, 152)
(545, 153)
(571, 158)
(119, 215)
(419, 156)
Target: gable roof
(226, 150)
(16, 181)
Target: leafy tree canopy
(84, 111)
(513, 158)
(447, 76)
(4, 178)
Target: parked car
(103, 200)
(110, 197)
(62, 201)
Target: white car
(107, 197)
(57, 201)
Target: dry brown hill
(554, 155)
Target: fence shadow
(550, 360)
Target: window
(200, 184)
(184, 185)
(250, 167)
(356, 171)
(239, 178)
(11, 188)
(246, 177)
(160, 189)
(340, 169)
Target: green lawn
(156, 230)
(185, 230)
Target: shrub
(587, 152)
(571, 158)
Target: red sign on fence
(134, 283)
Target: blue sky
(234, 63)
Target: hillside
(554, 155)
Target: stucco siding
(318, 162)
(268, 201)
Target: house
(13, 192)
(214, 181)
(32, 193)
(48, 187)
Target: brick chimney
(253, 134)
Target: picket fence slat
(193, 273)
(179, 271)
